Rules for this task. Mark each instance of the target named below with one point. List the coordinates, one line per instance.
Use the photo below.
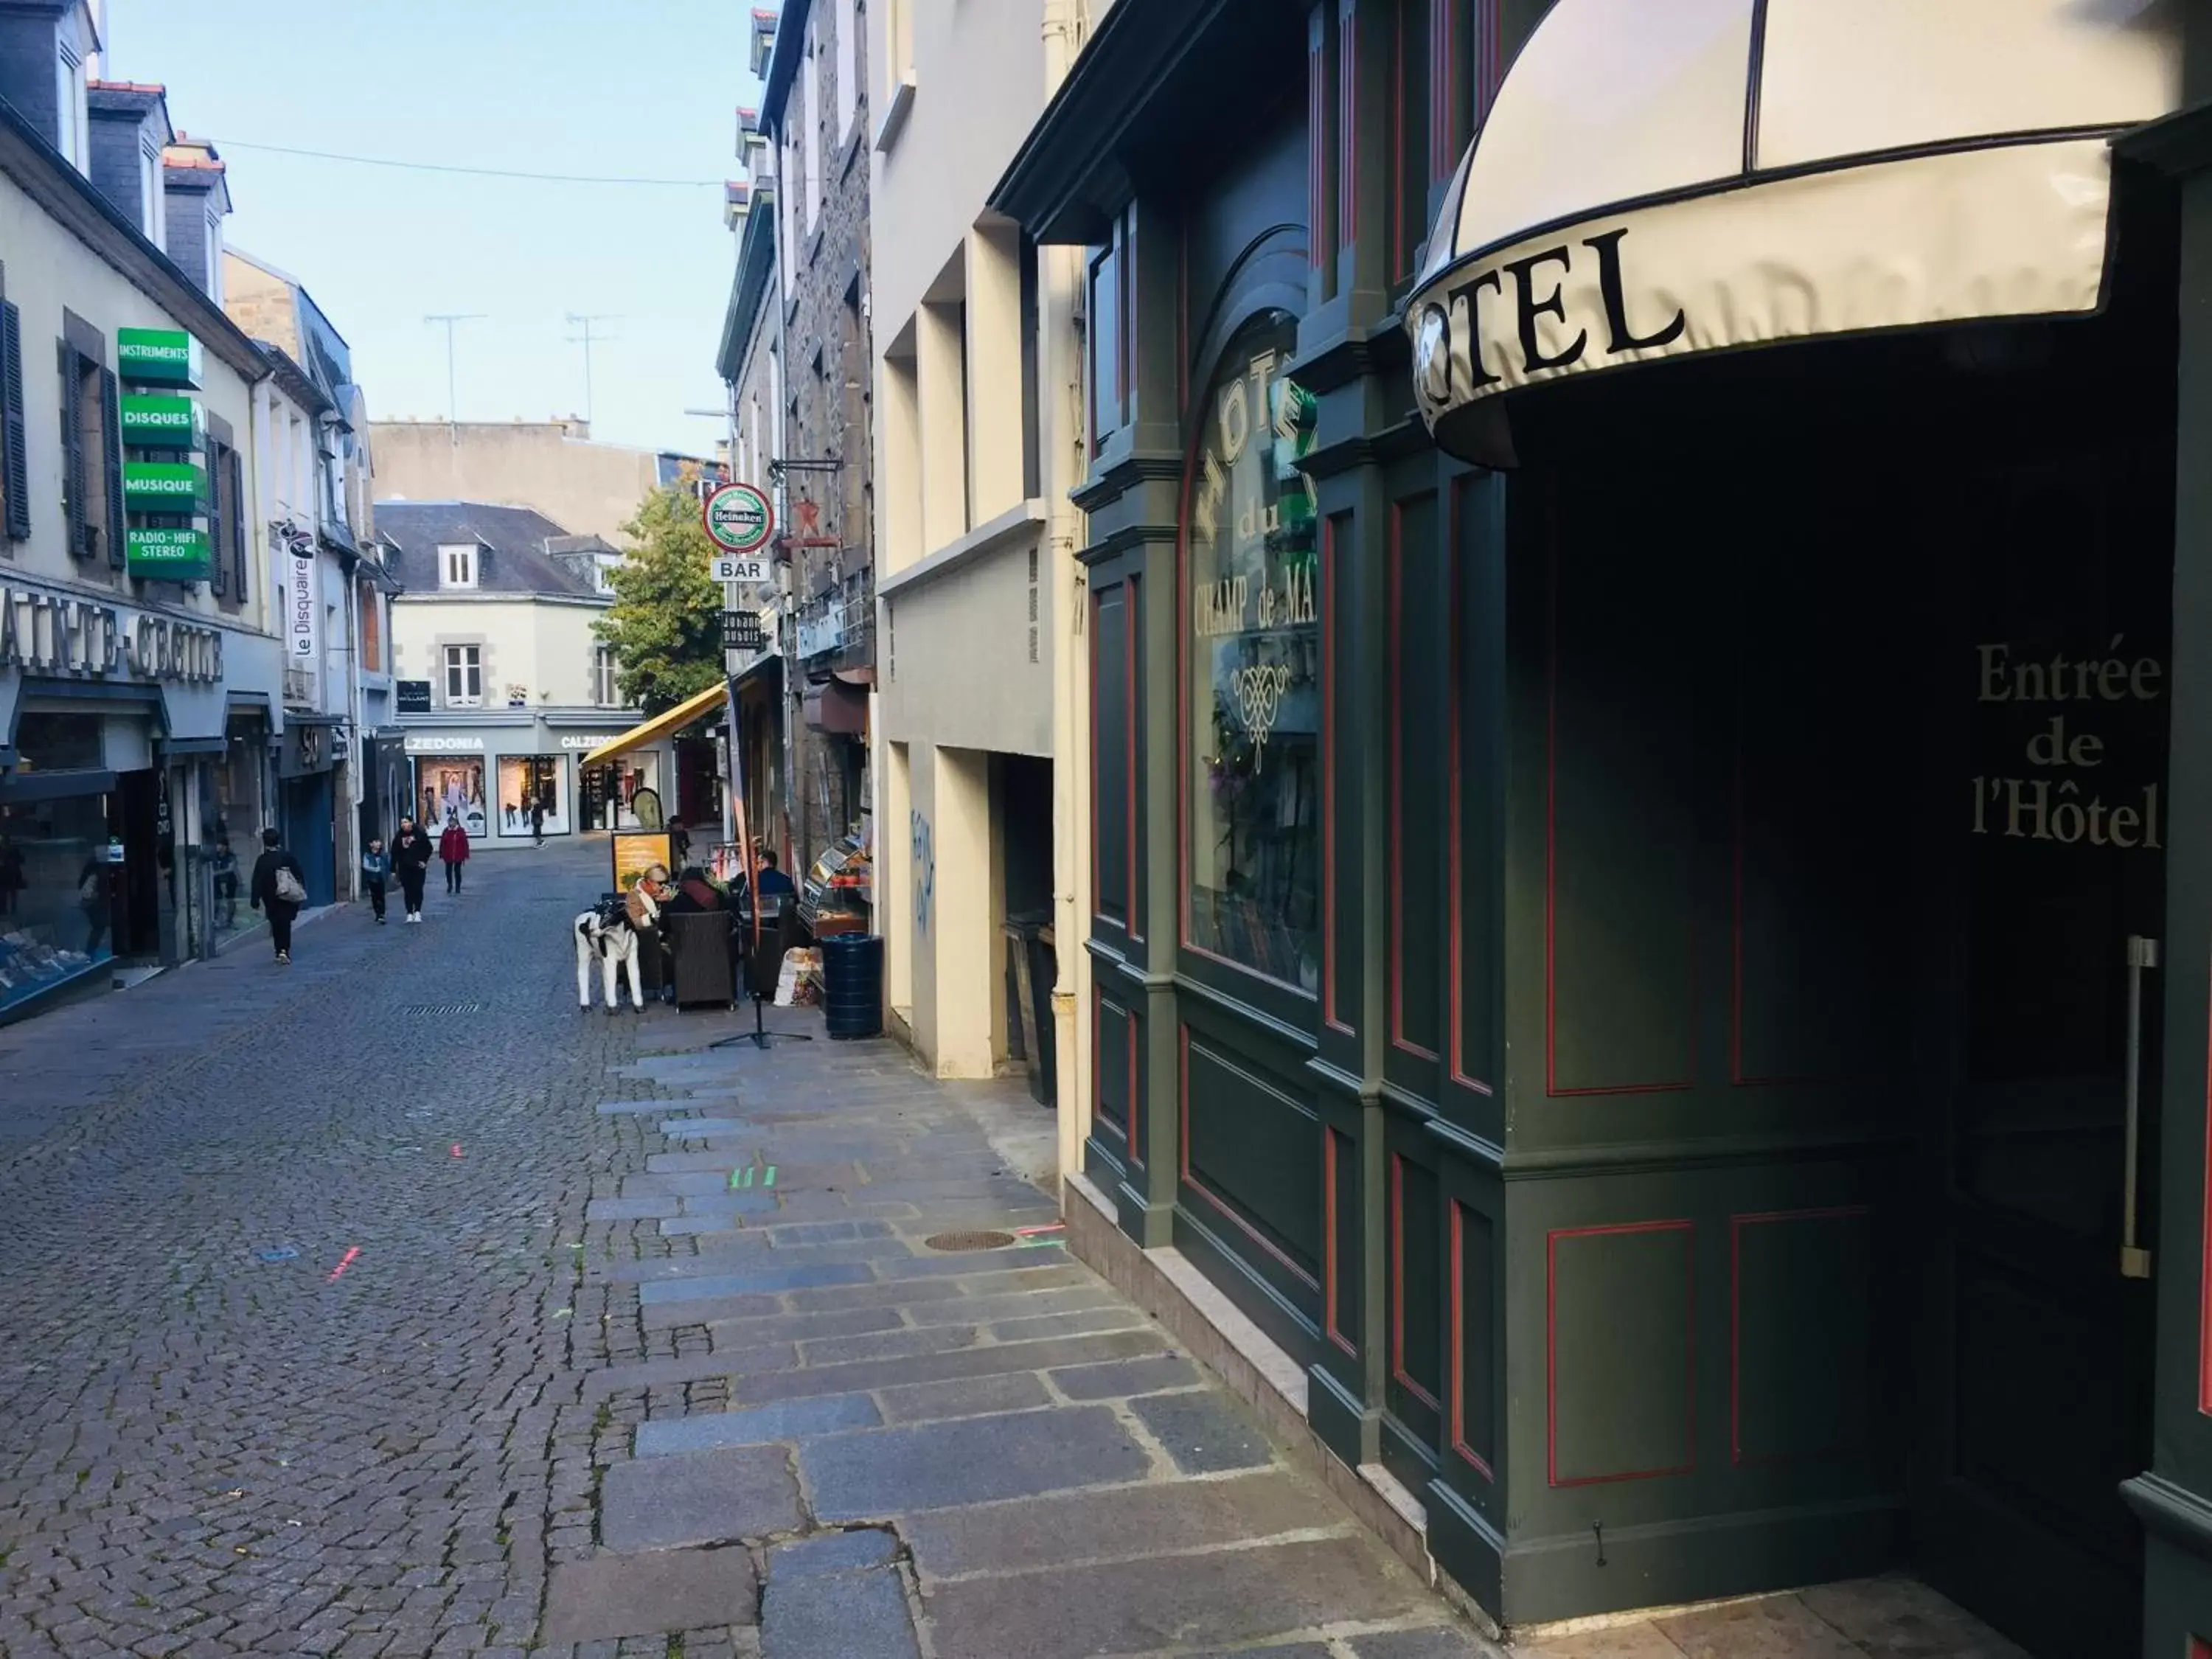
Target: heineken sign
(167, 556)
(165, 487)
(157, 356)
(739, 519)
(152, 422)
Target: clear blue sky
(638, 87)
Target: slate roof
(512, 547)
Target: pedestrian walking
(95, 897)
(538, 820)
(410, 861)
(375, 871)
(453, 852)
(280, 888)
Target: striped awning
(669, 721)
(1654, 180)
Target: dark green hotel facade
(1651, 787)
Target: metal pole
(453, 402)
(584, 320)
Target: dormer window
(153, 199)
(456, 565)
(71, 117)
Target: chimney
(129, 130)
(197, 199)
(45, 47)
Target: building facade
(1672, 1178)
(814, 115)
(978, 449)
(502, 684)
(751, 363)
(554, 467)
(140, 674)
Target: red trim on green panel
(1398, 1371)
(1458, 1424)
(1394, 656)
(1552, 1350)
(1136, 1081)
(1736, 1225)
(1329, 1235)
(1099, 1115)
(1228, 1213)
(1455, 875)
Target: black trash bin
(853, 984)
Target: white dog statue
(617, 943)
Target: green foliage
(666, 625)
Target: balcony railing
(836, 628)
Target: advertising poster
(635, 853)
(451, 785)
(524, 779)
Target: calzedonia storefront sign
(157, 356)
(53, 634)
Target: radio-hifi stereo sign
(740, 521)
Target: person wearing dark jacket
(264, 895)
(375, 871)
(410, 862)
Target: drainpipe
(786, 638)
(1059, 368)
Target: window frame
(457, 566)
(464, 662)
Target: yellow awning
(668, 721)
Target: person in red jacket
(453, 851)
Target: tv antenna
(449, 318)
(585, 339)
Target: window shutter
(235, 495)
(110, 445)
(73, 479)
(13, 452)
(218, 502)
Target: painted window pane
(1252, 658)
(1105, 346)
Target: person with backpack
(410, 861)
(453, 851)
(280, 888)
(375, 870)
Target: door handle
(2134, 1261)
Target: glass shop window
(1252, 647)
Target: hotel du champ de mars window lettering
(1252, 656)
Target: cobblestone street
(310, 1346)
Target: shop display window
(56, 893)
(524, 779)
(1251, 603)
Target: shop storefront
(488, 778)
(1658, 942)
(308, 785)
(237, 794)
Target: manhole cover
(969, 1241)
(423, 1008)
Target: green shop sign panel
(168, 556)
(158, 356)
(165, 487)
(151, 421)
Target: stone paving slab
(844, 1615)
(942, 1367)
(707, 1431)
(1238, 1595)
(1080, 1526)
(833, 1551)
(610, 1596)
(967, 1460)
(977, 1396)
(700, 1498)
(1203, 1431)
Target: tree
(666, 625)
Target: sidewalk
(851, 1340)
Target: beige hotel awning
(1659, 179)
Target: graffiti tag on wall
(925, 869)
